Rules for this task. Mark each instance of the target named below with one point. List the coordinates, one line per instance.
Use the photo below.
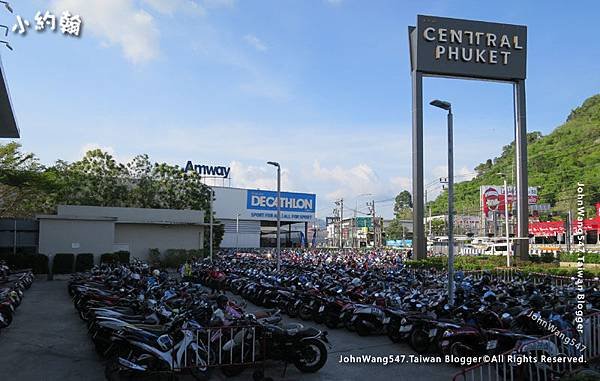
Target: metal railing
(530, 359)
(508, 274)
(239, 345)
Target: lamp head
(441, 104)
(273, 163)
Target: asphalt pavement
(48, 341)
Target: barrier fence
(530, 360)
(230, 346)
(508, 274)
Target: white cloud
(219, 3)
(258, 177)
(170, 7)
(401, 183)
(255, 42)
(348, 182)
(118, 22)
(108, 149)
(92, 146)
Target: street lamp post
(210, 242)
(275, 164)
(237, 232)
(506, 221)
(448, 107)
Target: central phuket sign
(290, 202)
(466, 48)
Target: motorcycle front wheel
(313, 356)
(292, 310)
(419, 341)
(393, 332)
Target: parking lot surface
(48, 341)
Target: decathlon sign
(208, 170)
(453, 47)
(290, 202)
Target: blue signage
(399, 243)
(290, 202)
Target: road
(48, 341)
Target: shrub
(547, 258)
(84, 262)
(197, 253)
(573, 257)
(109, 258)
(154, 257)
(63, 263)
(20, 261)
(123, 256)
(175, 257)
(39, 264)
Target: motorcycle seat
(151, 328)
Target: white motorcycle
(176, 351)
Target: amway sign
(290, 202)
(208, 170)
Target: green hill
(570, 154)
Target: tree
(403, 205)
(24, 187)
(27, 187)
(396, 230)
(438, 227)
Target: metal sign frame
(507, 73)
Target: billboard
(492, 198)
(259, 205)
(290, 202)
(468, 48)
(364, 222)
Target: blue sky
(321, 86)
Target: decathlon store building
(250, 217)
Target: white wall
(143, 237)
(249, 234)
(76, 236)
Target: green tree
(403, 205)
(24, 186)
(395, 230)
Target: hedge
(63, 263)
(154, 257)
(37, 262)
(84, 262)
(123, 256)
(109, 258)
(573, 257)
(173, 258)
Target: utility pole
(340, 203)
(375, 226)
(354, 232)
(569, 230)
(341, 223)
(376, 230)
(276, 165)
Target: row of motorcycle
(489, 316)
(12, 288)
(145, 323)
